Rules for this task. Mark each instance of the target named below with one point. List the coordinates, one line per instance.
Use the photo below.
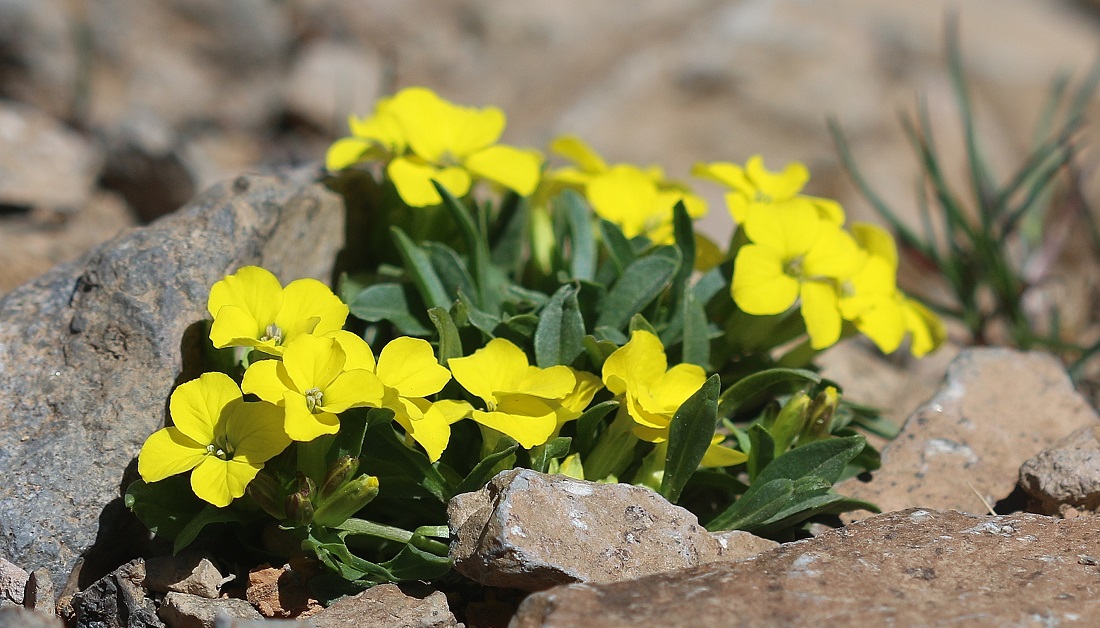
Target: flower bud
(789, 421)
(341, 471)
(346, 501)
(820, 414)
(268, 495)
(299, 509)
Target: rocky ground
(114, 114)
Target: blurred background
(114, 112)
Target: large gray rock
(90, 352)
(531, 531)
(963, 449)
(907, 568)
(1067, 475)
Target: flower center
(762, 197)
(273, 332)
(314, 399)
(793, 267)
(221, 448)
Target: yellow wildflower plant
(314, 382)
(754, 188)
(444, 142)
(652, 393)
(378, 137)
(221, 439)
(574, 404)
(252, 309)
(521, 400)
(795, 255)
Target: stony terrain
(114, 114)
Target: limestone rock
(1066, 475)
(188, 572)
(406, 606)
(13, 582)
(90, 351)
(183, 610)
(38, 595)
(530, 531)
(331, 80)
(996, 409)
(280, 592)
(16, 617)
(907, 568)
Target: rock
(117, 599)
(189, 572)
(182, 610)
(1066, 475)
(40, 63)
(908, 568)
(13, 582)
(281, 592)
(963, 449)
(90, 351)
(331, 80)
(15, 617)
(225, 621)
(38, 594)
(530, 531)
(43, 164)
(405, 606)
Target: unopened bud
(299, 509)
(268, 495)
(346, 501)
(341, 471)
(821, 414)
(789, 421)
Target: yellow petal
(835, 254)
(827, 209)
(821, 313)
(877, 241)
(268, 380)
(680, 382)
(303, 425)
(719, 456)
(529, 420)
(357, 353)
(426, 121)
(413, 180)
(707, 253)
(554, 382)
(513, 168)
(234, 327)
(723, 173)
(791, 228)
(641, 360)
(884, 324)
(777, 185)
(927, 329)
(431, 430)
(345, 152)
(625, 196)
(305, 299)
(312, 362)
(352, 389)
(167, 452)
(197, 406)
(252, 289)
(760, 287)
(453, 410)
(587, 385)
(409, 366)
(496, 366)
(220, 482)
(255, 430)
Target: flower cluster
(575, 323)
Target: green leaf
(582, 239)
(385, 455)
(752, 391)
(553, 449)
(414, 563)
(166, 506)
(208, 515)
(488, 297)
(638, 286)
(825, 459)
(619, 249)
(761, 450)
(559, 337)
(485, 469)
(484, 321)
(612, 335)
(520, 329)
(638, 322)
(386, 301)
(450, 268)
(420, 268)
(684, 233)
(761, 502)
(588, 424)
(689, 437)
(598, 350)
(801, 509)
(695, 338)
(450, 343)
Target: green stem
(362, 527)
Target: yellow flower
(640, 201)
(872, 301)
(409, 372)
(754, 188)
(377, 137)
(521, 401)
(314, 382)
(795, 254)
(574, 404)
(223, 440)
(251, 309)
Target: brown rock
(280, 592)
(962, 450)
(13, 582)
(189, 572)
(16, 617)
(182, 610)
(390, 605)
(530, 531)
(909, 568)
(331, 80)
(38, 594)
(1067, 475)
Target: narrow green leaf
(689, 437)
(619, 249)
(559, 337)
(488, 298)
(485, 469)
(638, 322)
(749, 392)
(450, 268)
(695, 337)
(825, 459)
(588, 424)
(638, 286)
(760, 503)
(761, 450)
(520, 329)
(612, 335)
(385, 455)
(420, 268)
(581, 238)
(207, 516)
(387, 301)
(598, 350)
(798, 510)
(165, 507)
(485, 322)
(552, 450)
(450, 343)
(684, 233)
